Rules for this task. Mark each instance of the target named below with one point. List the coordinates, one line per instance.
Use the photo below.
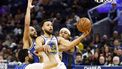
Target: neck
(26, 62)
(66, 38)
(47, 35)
(31, 39)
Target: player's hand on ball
(84, 25)
(87, 32)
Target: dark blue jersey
(32, 50)
(69, 58)
(22, 66)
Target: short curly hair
(22, 54)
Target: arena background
(105, 39)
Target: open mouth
(51, 29)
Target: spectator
(78, 59)
(17, 31)
(105, 39)
(101, 60)
(107, 50)
(88, 52)
(109, 60)
(115, 35)
(40, 13)
(113, 16)
(1, 56)
(116, 61)
(70, 23)
(95, 59)
(97, 40)
(116, 44)
(8, 41)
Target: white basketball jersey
(53, 43)
(35, 66)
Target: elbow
(27, 24)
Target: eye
(48, 24)
(32, 29)
(65, 32)
(61, 32)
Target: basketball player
(25, 57)
(65, 33)
(69, 56)
(55, 43)
(30, 33)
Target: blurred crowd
(102, 50)
(97, 49)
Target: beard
(31, 60)
(48, 32)
(33, 36)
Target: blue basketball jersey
(69, 58)
(22, 66)
(32, 49)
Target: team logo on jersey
(53, 46)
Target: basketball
(84, 24)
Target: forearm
(27, 24)
(27, 17)
(75, 42)
(66, 45)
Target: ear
(42, 28)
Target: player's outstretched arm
(27, 24)
(65, 45)
(40, 47)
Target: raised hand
(30, 4)
(86, 33)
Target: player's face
(64, 34)
(33, 32)
(48, 27)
